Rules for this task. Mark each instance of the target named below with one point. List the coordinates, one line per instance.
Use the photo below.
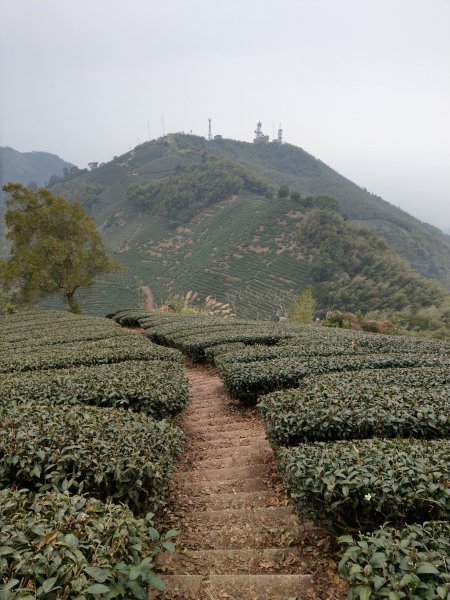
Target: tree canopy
(54, 246)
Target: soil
(240, 538)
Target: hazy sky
(364, 85)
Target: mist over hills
(29, 167)
(253, 223)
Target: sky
(364, 85)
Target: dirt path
(240, 538)
(149, 302)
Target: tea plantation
(87, 450)
(360, 425)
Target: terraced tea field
(359, 426)
(315, 462)
(87, 449)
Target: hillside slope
(27, 167)
(183, 214)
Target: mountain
(254, 223)
(29, 167)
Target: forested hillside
(253, 225)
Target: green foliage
(55, 247)
(353, 269)
(226, 263)
(247, 381)
(365, 406)
(47, 447)
(336, 319)
(283, 191)
(408, 563)
(220, 349)
(157, 388)
(58, 546)
(302, 310)
(182, 195)
(94, 352)
(364, 483)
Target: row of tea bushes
(158, 388)
(193, 334)
(57, 546)
(361, 405)
(108, 453)
(360, 484)
(310, 348)
(74, 334)
(50, 364)
(108, 350)
(248, 381)
(350, 384)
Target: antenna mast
(260, 138)
(280, 135)
(162, 123)
(209, 130)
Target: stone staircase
(240, 537)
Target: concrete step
(238, 436)
(230, 486)
(237, 587)
(224, 474)
(245, 560)
(271, 516)
(257, 448)
(241, 459)
(244, 500)
(253, 534)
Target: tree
(55, 247)
(302, 310)
(284, 192)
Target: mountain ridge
(228, 218)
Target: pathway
(240, 538)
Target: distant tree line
(353, 269)
(182, 195)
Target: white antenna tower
(209, 131)
(148, 130)
(280, 135)
(162, 123)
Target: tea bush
(111, 350)
(62, 336)
(111, 454)
(58, 546)
(247, 381)
(364, 483)
(339, 411)
(155, 387)
(412, 562)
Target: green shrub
(221, 349)
(58, 546)
(63, 336)
(247, 381)
(339, 411)
(364, 483)
(412, 562)
(112, 454)
(111, 350)
(155, 387)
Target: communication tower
(280, 135)
(260, 138)
(209, 131)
